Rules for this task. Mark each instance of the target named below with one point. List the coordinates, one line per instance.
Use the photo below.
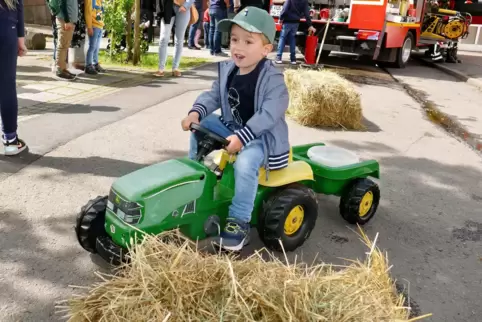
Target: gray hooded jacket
(270, 104)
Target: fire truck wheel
(404, 53)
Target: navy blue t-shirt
(241, 91)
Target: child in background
(206, 27)
(94, 12)
(253, 98)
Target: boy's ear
(267, 49)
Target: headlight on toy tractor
(127, 211)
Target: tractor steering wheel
(208, 141)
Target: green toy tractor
(194, 197)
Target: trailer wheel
(404, 53)
(360, 201)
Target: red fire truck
(385, 30)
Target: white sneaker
(278, 61)
(293, 63)
(13, 147)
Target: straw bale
(323, 99)
(168, 281)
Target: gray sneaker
(64, 75)
(91, 70)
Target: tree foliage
(119, 20)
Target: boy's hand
(234, 145)
(90, 32)
(311, 30)
(193, 117)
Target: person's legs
(292, 41)
(206, 34)
(55, 38)
(211, 122)
(182, 20)
(8, 91)
(98, 33)
(89, 59)
(282, 42)
(212, 29)
(65, 37)
(246, 171)
(165, 33)
(220, 15)
(192, 33)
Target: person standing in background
(177, 13)
(206, 26)
(94, 20)
(218, 10)
(66, 14)
(194, 30)
(12, 45)
(292, 12)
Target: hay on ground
(323, 99)
(169, 282)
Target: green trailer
(194, 197)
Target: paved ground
(456, 99)
(429, 218)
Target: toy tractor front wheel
(90, 223)
(289, 216)
(360, 201)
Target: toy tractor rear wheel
(290, 216)
(360, 201)
(90, 223)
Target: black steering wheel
(207, 140)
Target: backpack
(54, 6)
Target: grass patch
(150, 61)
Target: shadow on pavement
(29, 253)
(97, 166)
(114, 78)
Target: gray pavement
(428, 221)
(448, 94)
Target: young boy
(94, 12)
(253, 98)
(292, 12)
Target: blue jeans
(194, 27)
(182, 20)
(92, 57)
(207, 29)
(288, 34)
(246, 169)
(216, 15)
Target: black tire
(351, 201)
(401, 62)
(90, 223)
(271, 223)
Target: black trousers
(8, 68)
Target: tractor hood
(153, 179)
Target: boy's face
(247, 48)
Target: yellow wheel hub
(366, 204)
(294, 220)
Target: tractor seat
(295, 171)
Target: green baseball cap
(251, 19)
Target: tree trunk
(129, 35)
(137, 34)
